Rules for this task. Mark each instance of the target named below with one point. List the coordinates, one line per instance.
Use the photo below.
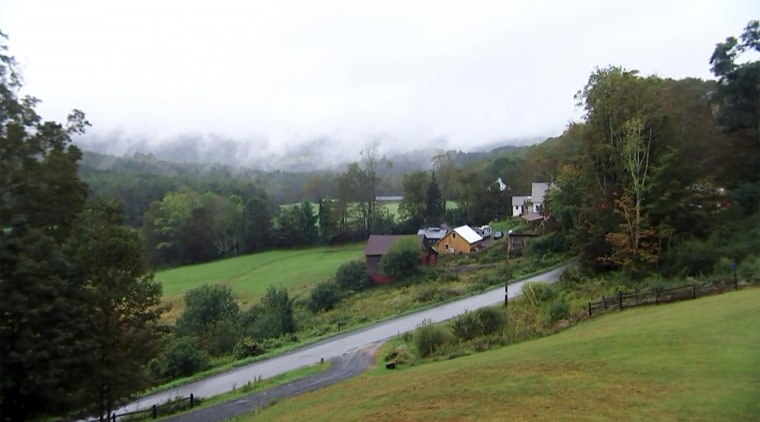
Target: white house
(537, 193)
(532, 204)
(519, 204)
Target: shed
(377, 246)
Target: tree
(43, 354)
(212, 316)
(324, 296)
(123, 303)
(738, 102)
(353, 276)
(402, 260)
(257, 224)
(435, 206)
(413, 204)
(274, 316)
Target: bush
(538, 292)
(324, 296)
(247, 347)
(492, 320)
(183, 358)
(402, 260)
(557, 311)
(428, 338)
(353, 276)
(467, 326)
(693, 257)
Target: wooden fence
(655, 296)
(154, 412)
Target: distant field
(249, 276)
(697, 360)
(392, 207)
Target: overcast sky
(407, 71)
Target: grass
(694, 360)
(392, 207)
(249, 276)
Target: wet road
(335, 346)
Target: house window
(453, 235)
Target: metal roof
(378, 244)
(468, 234)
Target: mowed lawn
(696, 360)
(249, 276)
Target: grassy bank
(693, 360)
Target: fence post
(604, 299)
(589, 309)
(154, 412)
(113, 416)
(620, 300)
(694, 291)
(191, 400)
(656, 297)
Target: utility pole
(506, 272)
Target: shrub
(247, 347)
(353, 276)
(183, 358)
(402, 260)
(492, 320)
(467, 326)
(428, 338)
(693, 257)
(538, 292)
(324, 296)
(557, 311)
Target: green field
(696, 360)
(392, 207)
(249, 276)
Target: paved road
(336, 346)
(348, 365)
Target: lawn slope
(694, 360)
(249, 276)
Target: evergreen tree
(434, 204)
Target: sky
(397, 73)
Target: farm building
(377, 246)
(462, 239)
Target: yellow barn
(462, 239)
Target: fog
(245, 81)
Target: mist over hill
(323, 153)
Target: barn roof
(468, 234)
(378, 244)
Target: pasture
(250, 276)
(695, 360)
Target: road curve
(346, 366)
(336, 346)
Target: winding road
(335, 347)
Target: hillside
(695, 360)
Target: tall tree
(123, 303)
(434, 204)
(43, 323)
(412, 205)
(738, 102)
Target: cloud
(286, 73)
